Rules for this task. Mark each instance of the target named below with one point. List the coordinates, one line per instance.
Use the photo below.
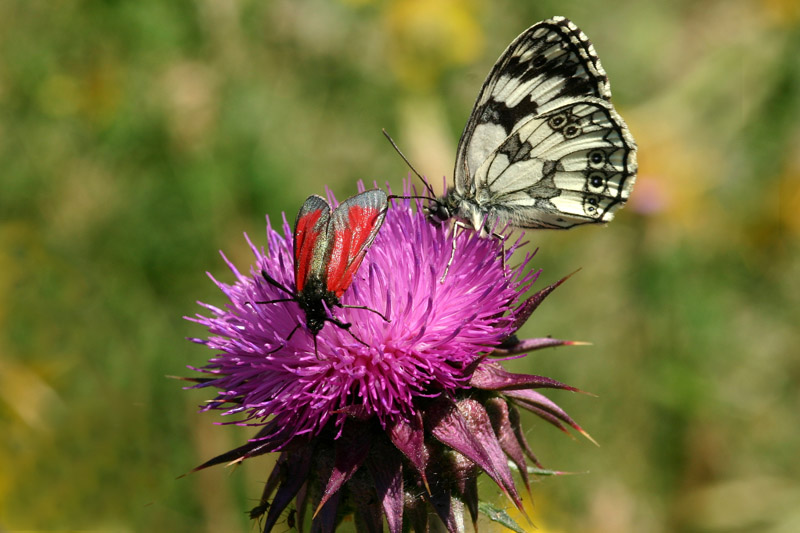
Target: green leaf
(500, 516)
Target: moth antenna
(414, 170)
(275, 283)
(276, 301)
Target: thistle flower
(404, 423)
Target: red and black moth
(328, 249)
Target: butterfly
(328, 249)
(543, 146)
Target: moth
(329, 246)
(543, 147)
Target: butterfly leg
(457, 226)
(502, 239)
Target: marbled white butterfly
(543, 147)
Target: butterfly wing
(541, 112)
(573, 165)
(352, 228)
(311, 240)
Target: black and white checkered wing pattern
(544, 147)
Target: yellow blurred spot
(534, 521)
(59, 96)
(428, 36)
(676, 175)
(789, 198)
(782, 12)
(95, 95)
(26, 395)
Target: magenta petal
(492, 376)
(471, 500)
(409, 438)
(417, 515)
(255, 447)
(527, 345)
(519, 433)
(298, 465)
(466, 428)
(300, 506)
(272, 483)
(529, 306)
(357, 412)
(351, 451)
(544, 415)
(533, 400)
(369, 515)
(497, 408)
(326, 520)
(450, 509)
(387, 472)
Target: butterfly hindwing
(352, 228)
(310, 239)
(571, 166)
(544, 147)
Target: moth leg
(458, 225)
(292, 333)
(367, 309)
(356, 338)
(346, 326)
(287, 339)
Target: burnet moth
(328, 249)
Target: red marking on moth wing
(306, 234)
(350, 242)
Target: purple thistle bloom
(376, 428)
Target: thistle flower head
(402, 410)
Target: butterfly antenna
(414, 170)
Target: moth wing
(548, 65)
(572, 165)
(353, 226)
(311, 239)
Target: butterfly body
(543, 147)
(329, 247)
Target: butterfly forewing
(544, 147)
(310, 239)
(352, 228)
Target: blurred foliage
(138, 138)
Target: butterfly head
(442, 209)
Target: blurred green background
(139, 138)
